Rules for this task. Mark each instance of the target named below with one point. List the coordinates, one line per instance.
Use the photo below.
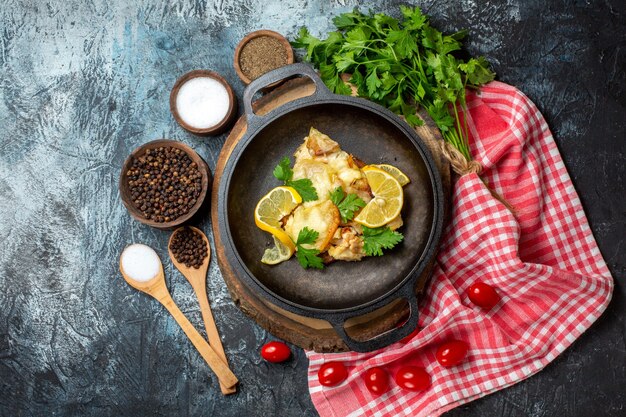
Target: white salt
(140, 262)
(202, 102)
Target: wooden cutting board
(312, 334)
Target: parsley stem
(463, 142)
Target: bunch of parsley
(398, 64)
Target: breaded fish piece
(396, 223)
(316, 144)
(324, 179)
(322, 217)
(321, 160)
(346, 245)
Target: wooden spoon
(156, 288)
(197, 279)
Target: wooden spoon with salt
(156, 288)
(197, 279)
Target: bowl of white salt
(203, 102)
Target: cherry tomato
(332, 373)
(275, 352)
(483, 295)
(376, 380)
(413, 378)
(452, 353)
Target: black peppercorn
(161, 182)
(188, 247)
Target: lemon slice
(275, 205)
(387, 201)
(277, 254)
(397, 174)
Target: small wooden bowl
(125, 189)
(232, 106)
(258, 34)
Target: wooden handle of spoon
(224, 374)
(212, 334)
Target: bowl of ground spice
(260, 52)
(164, 183)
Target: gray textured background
(84, 82)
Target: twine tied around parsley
(459, 163)
(463, 166)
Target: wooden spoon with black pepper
(191, 254)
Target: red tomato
(332, 373)
(452, 353)
(483, 295)
(275, 352)
(376, 380)
(413, 378)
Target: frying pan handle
(280, 74)
(387, 338)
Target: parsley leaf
(477, 70)
(337, 195)
(373, 82)
(414, 19)
(303, 186)
(375, 240)
(350, 205)
(347, 204)
(308, 258)
(283, 170)
(343, 21)
(403, 43)
(307, 236)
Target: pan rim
(437, 191)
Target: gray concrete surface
(82, 83)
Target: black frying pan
(343, 289)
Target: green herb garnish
(399, 63)
(303, 186)
(283, 170)
(375, 240)
(308, 258)
(347, 204)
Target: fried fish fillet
(323, 177)
(322, 217)
(321, 160)
(346, 245)
(317, 144)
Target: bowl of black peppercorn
(164, 183)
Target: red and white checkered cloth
(543, 261)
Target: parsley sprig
(347, 204)
(398, 63)
(308, 258)
(375, 240)
(303, 186)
